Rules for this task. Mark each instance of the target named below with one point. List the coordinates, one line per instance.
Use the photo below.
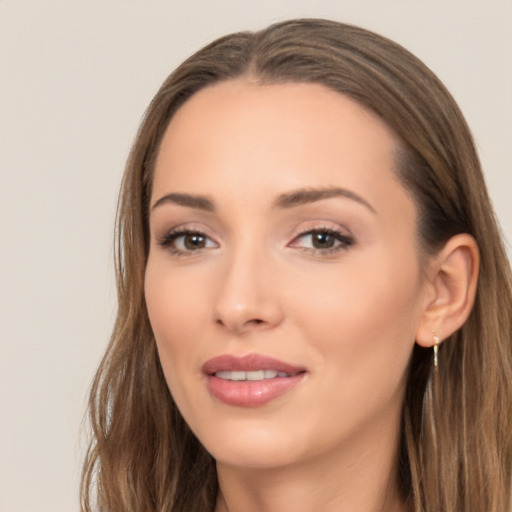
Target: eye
(186, 241)
(323, 241)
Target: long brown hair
(456, 443)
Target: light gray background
(75, 78)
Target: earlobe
(453, 276)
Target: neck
(347, 479)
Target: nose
(248, 296)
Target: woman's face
(283, 284)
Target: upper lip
(247, 363)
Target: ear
(452, 275)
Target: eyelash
(170, 238)
(344, 241)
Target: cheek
(365, 337)
(364, 316)
(177, 318)
(174, 320)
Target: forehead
(249, 104)
(270, 127)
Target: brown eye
(183, 242)
(323, 240)
(194, 241)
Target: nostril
(240, 326)
(253, 322)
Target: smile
(250, 381)
(251, 375)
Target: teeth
(257, 375)
(223, 375)
(251, 375)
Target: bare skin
(245, 260)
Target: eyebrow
(311, 195)
(287, 200)
(188, 200)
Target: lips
(250, 381)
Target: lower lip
(251, 393)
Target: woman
(314, 302)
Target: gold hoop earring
(436, 349)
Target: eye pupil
(323, 240)
(194, 241)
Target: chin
(253, 458)
(256, 447)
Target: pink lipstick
(251, 380)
